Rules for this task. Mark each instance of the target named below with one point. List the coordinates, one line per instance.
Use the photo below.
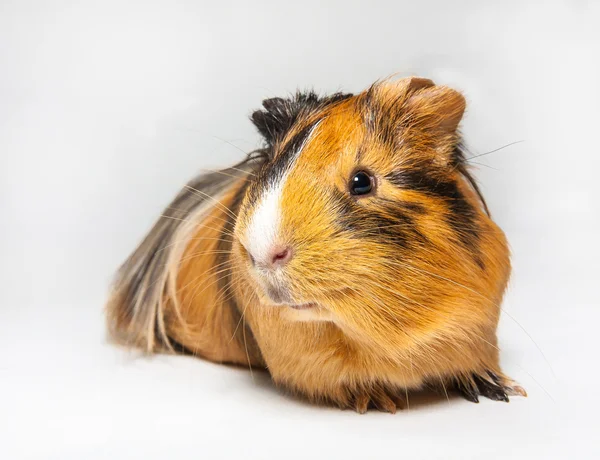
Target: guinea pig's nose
(270, 257)
(279, 256)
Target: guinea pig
(352, 256)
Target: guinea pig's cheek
(241, 257)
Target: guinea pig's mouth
(278, 295)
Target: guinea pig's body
(353, 257)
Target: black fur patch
(279, 115)
(274, 170)
(415, 208)
(392, 222)
(462, 217)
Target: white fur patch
(263, 230)
(264, 226)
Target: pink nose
(280, 255)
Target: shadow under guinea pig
(413, 400)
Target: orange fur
(384, 322)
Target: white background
(106, 109)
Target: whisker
(209, 217)
(533, 341)
(218, 230)
(206, 272)
(246, 347)
(239, 322)
(502, 309)
(231, 144)
(493, 303)
(484, 165)
(217, 202)
(194, 255)
(241, 170)
(215, 171)
(495, 150)
(201, 275)
(221, 229)
(191, 239)
(228, 272)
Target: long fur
(407, 283)
(146, 282)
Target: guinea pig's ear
(436, 108)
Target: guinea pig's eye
(361, 183)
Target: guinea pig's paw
(378, 397)
(490, 385)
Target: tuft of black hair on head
(279, 114)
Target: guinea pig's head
(363, 214)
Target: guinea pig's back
(174, 293)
